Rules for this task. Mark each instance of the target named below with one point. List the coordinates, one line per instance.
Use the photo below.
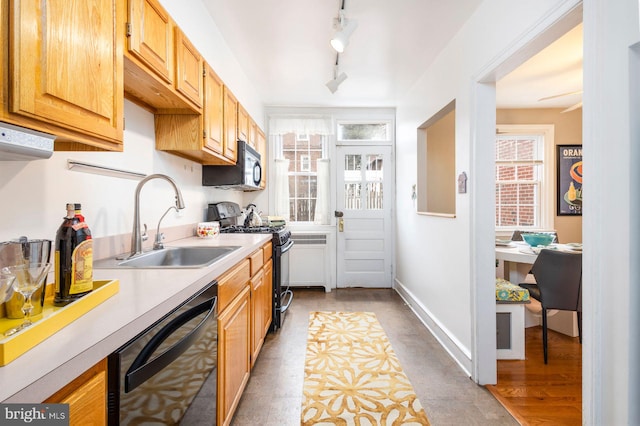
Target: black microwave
(245, 175)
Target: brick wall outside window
(518, 179)
(302, 181)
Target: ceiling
(556, 70)
(283, 47)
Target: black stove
(280, 234)
(229, 215)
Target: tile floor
(274, 393)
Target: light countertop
(145, 296)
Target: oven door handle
(141, 370)
(286, 246)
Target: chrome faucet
(157, 245)
(136, 236)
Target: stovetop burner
(280, 234)
(251, 229)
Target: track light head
(337, 81)
(345, 28)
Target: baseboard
(457, 351)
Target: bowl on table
(538, 239)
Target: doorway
(555, 24)
(492, 114)
(364, 194)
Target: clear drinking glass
(28, 279)
(6, 281)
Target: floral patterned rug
(353, 377)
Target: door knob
(338, 213)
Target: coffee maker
(23, 251)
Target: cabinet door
(257, 314)
(243, 124)
(234, 363)
(267, 296)
(230, 125)
(86, 396)
(150, 37)
(261, 142)
(253, 134)
(213, 111)
(189, 66)
(67, 72)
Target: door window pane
(373, 176)
(352, 196)
(374, 196)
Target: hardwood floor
(537, 394)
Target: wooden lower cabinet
(257, 311)
(267, 306)
(244, 317)
(86, 396)
(234, 362)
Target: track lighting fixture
(338, 77)
(345, 29)
(337, 80)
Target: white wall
(611, 132)
(443, 247)
(437, 258)
(34, 193)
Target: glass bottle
(73, 257)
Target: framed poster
(569, 178)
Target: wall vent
(309, 239)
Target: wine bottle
(73, 257)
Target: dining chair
(558, 286)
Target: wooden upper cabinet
(150, 37)
(162, 69)
(253, 134)
(189, 66)
(243, 124)
(261, 142)
(213, 115)
(231, 125)
(198, 137)
(66, 76)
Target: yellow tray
(52, 319)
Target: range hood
(22, 144)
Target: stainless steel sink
(170, 257)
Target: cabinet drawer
(267, 252)
(232, 283)
(256, 261)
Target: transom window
(376, 131)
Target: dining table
(517, 257)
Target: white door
(364, 201)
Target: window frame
(547, 183)
(299, 137)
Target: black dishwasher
(167, 374)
